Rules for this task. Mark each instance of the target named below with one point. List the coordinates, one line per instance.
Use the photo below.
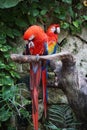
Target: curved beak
(58, 29)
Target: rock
(78, 48)
(56, 96)
(83, 34)
(73, 44)
(63, 34)
(82, 60)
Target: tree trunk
(73, 84)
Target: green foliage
(67, 1)
(60, 117)
(8, 3)
(13, 103)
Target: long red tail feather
(44, 80)
(35, 108)
(35, 76)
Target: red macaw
(39, 43)
(51, 46)
(36, 45)
(52, 34)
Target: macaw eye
(53, 29)
(31, 37)
(58, 29)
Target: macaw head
(32, 32)
(36, 38)
(54, 28)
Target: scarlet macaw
(52, 34)
(39, 43)
(36, 39)
(51, 46)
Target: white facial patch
(31, 38)
(53, 29)
(30, 44)
(58, 29)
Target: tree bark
(67, 78)
(73, 84)
(35, 58)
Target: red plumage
(39, 40)
(36, 38)
(51, 35)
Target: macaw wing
(52, 47)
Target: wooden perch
(68, 79)
(32, 58)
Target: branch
(33, 58)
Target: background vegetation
(15, 17)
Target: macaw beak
(30, 44)
(58, 30)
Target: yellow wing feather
(51, 47)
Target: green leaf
(79, 6)
(8, 3)
(6, 55)
(61, 115)
(32, 20)
(52, 126)
(9, 32)
(62, 17)
(9, 93)
(0, 45)
(2, 65)
(72, 13)
(57, 10)
(24, 113)
(5, 114)
(62, 14)
(35, 12)
(85, 17)
(7, 80)
(65, 25)
(2, 35)
(14, 74)
(2, 41)
(21, 22)
(16, 32)
(25, 102)
(67, 1)
(43, 12)
(12, 65)
(76, 24)
(5, 48)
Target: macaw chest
(37, 48)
